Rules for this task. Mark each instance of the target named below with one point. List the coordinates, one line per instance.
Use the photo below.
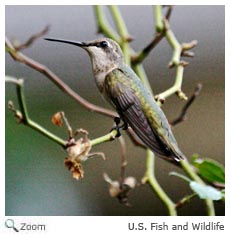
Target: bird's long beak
(77, 43)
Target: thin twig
(31, 40)
(184, 200)
(123, 159)
(69, 128)
(135, 139)
(108, 137)
(137, 59)
(120, 24)
(186, 47)
(175, 89)
(151, 179)
(159, 26)
(182, 116)
(159, 35)
(169, 12)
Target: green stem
(110, 136)
(151, 179)
(176, 88)
(27, 121)
(103, 25)
(143, 54)
(21, 100)
(120, 24)
(46, 133)
(158, 18)
(174, 43)
(162, 25)
(123, 32)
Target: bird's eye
(103, 44)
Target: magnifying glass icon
(9, 223)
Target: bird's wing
(130, 109)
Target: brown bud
(57, 119)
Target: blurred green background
(37, 183)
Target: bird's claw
(117, 121)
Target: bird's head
(103, 52)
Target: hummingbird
(133, 101)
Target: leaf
(205, 191)
(210, 170)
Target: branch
(159, 35)
(158, 18)
(169, 12)
(182, 117)
(139, 57)
(103, 25)
(108, 137)
(123, 160)
(186, 166)
(174, 43)
(25, 119)
(176, 88)
(31, 40)
(178, 51)
(184, 200)
(151, 179)
(123, 32)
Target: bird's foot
(117, 127)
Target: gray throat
(101, 73)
